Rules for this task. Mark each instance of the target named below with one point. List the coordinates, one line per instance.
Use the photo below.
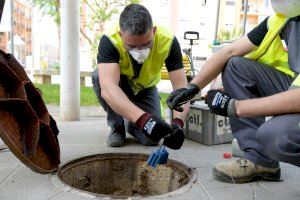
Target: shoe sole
(115, 144)
(254, 177)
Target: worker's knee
(96, 84)
(273, 140)
(95, 78)
(233, 67)
(265, 136)
(235, 61)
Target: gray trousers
(147, 100)
(264, 143)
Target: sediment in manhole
(123, 175)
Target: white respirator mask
(288, 8)
(140, 55)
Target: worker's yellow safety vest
(271, 51)
(150, 72)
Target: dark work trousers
(148, 100)
(280, 137)
(246, 79)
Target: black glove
(220, 103)
(175, 139)
(181, 96)
(153, 127)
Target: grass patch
(51, 95)
(163, 98)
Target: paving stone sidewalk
(88, 136)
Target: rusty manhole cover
(123, 175)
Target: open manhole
(123, 175)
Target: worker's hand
(175, 139)
(181, 96)
(220, 103)
(153, 127)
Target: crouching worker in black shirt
(260, 74)
(130, 60)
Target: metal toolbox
(205, 127)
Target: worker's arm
(215, 64)
(178, 80)
(109, 76)
(282, 103)
(210, 70)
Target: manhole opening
(124, 175)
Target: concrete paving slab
(199, 155)
(88, 137)
(85, 111)
(25, 184)
(88, 131)
(8, 159)
(82, 138)
(5, 172)
(264, 193)
(244, 192)
(288, 189)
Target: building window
(230, 3)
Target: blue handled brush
(158, 157)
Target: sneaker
(116, 138)
(244, 171)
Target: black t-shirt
(107, 53)
(257, 35)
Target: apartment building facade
(22, 30)
(239, 17)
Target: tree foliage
(49, 8)
(226, 35)
(99, 12)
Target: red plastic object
(227, 155)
